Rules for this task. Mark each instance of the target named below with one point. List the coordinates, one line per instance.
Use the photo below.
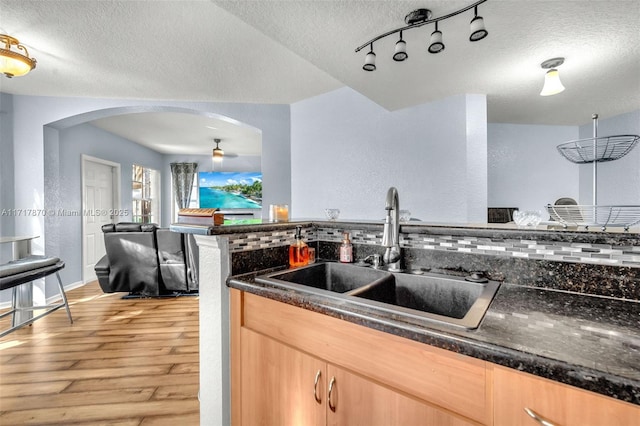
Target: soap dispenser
(298, 251)
(346, 249)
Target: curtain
(183, 174)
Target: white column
(214, 268)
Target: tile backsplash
(599, 254)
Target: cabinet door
(353, 400)
(555, 403)
(278, 384)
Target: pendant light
(552, 83)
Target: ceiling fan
(219, 154)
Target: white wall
(619, 180)
(346, 151)
(525, 168)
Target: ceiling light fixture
(218, 154)
(14, 63)
(419, 18)
(552, 83)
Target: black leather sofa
(147, 260)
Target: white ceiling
(286, 51)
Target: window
(145, 185)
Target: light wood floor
(122, 362)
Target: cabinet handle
(331, 383)
(535, 416)
(315, 387)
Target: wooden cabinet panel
(452, 381)
(559, 404)
(358, 401)
(278, 384)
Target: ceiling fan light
(552, 83)
(14, 63)
(478, 32)
(218, 154)
(401, 50)
(370, 61)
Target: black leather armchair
(145, 259)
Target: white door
(98, 201)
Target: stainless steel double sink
(407, 297)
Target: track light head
(436, 45)
(401, 50)
(478, 32)
(370, 61)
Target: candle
(282, 213)
(278, 213)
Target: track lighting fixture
(401, 50)
(552, 83)
(419, 18)
(477, 27)
(370, 60)
(436, 45)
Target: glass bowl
(527, 217)
(332, 214)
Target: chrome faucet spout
(391, 230)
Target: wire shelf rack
(605, 148)
(602, 216)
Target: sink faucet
(391, 233)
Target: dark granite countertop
(495, 231)
(590, 342)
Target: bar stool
(22, 271)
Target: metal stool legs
(48, 309)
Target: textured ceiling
(285, 51)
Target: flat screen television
(230, 190)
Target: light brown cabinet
(283, 386)
(520, 398)
(375, 378)
(278, 384)
(378, 378)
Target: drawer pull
(315, 387)
(331, 406)
(535, 416)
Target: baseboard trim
(54, 298)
